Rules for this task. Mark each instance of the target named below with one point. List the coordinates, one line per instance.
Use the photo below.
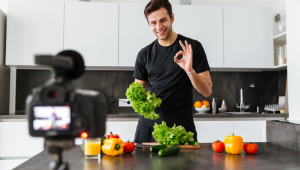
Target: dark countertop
(206, 115)
(13, 116)
(269, 156)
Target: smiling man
(170, 67)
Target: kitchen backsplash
(226, 86)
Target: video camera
(58, 111)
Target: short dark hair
(155, 5)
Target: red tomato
(250, 148)
(218, 146)
(128, 147)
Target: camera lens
(52, 94)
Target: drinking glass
(92, 148)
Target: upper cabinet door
(183, 20)
(248, 37)
(207, 28)
(204, 24)
(91, 28)
(33, 27)
(135, 33)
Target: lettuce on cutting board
(176, 135)
(143, 102)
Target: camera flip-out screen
(48, 118)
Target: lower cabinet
(250, 131)
(16, 141)
(125, 129)
(11, 163)
(209, 131)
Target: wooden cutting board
(182, 146)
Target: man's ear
(172, 18)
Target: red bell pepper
(128, 147)
(112, 136)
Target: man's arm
(201, 82)
(143, 83)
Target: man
(170, 67)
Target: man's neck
(169, 41)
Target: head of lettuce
(143, 102)
(176, 135)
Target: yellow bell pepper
(113, 146)
(234, 144)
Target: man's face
(160, 23)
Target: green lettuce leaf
(143, 103)
(171, 136)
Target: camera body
(57, 110)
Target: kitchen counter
(286, 134)
(13, 118)
(208, 116)
(197, 117)
(269, 156)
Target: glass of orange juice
(92, 148)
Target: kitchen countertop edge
(135, 117)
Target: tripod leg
(64, 166)
(57, 162)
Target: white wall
(293, 59)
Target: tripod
(56, 147)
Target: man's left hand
(186, 61)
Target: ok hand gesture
(186, 61)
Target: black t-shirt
(167, 80)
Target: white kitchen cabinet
(204, 24)
(207, 28)
(11, 164)
(16, 141)
(209, 131)
(251, 131)
(33, 27)
(125, 129)
(248, 37)
(91, 28)
(134, 33)
(183, 20)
